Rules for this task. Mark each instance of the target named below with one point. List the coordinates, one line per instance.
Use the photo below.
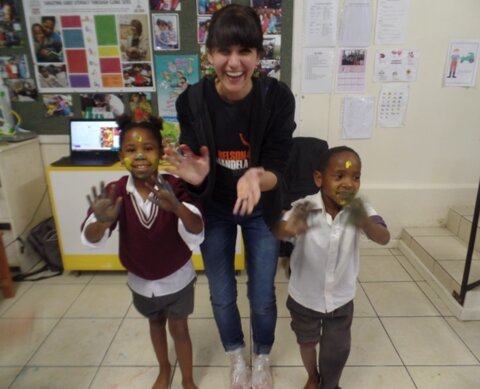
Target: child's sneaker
(240, 372)
(261, 375)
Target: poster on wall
(103, 45)
(174, 74)
(396, 65)
(165, 5)
(462, 63)
(11, 34)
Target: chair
(298, 177)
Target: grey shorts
(177, 305)
(308, 325)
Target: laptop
(92, 143)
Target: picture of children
(165, 5)
(202, 30)
(51, 77)
(166, 32)
(137, 75)
(101, 106)
(10, 27)
(208, 7)
(270, 13)
(44, 52)
(58, 105)
(22, 90)
(47, 42)
(134, 43)
(140, 107)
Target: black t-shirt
(231, 130)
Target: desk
(68, 189)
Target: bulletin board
(33, 112)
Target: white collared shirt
(325, 261)
(173, 282)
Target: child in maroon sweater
(158, 227)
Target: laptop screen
(94, 135)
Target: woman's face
(234, 67)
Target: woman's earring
(256, 72)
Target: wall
(411, 174)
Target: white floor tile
(55, 377)
(446, 377)
(469, 332)
(381, 268)
(20, 338)
(206, 377)
(285, 351)
(371, 345)
(410, 269)
(399, 299)
(101, 300)
(132, 346)
(110, 277)
(7, 375)
(76, 342)
(44, 300)
(20, 289)
(363, 308)
(206, 344)
(435, 299)
(376, 377)
(427, 341)
(125, 377)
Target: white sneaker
(240, 372)
(261, 375)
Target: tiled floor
(82, 332)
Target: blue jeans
(261, 255)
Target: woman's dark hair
(235, 25)
(154, 125)
(327, 155)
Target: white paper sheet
(356, 29)
(317, 70)
(392, 20)
(462, 63)
(392, 105)
(321, 23)
(351, 71)
(396, 65)
(358, 114)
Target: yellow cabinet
(68, 188)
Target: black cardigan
(270, 135)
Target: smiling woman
(235, 133)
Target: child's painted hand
(105, 207)
(162, 193)
(357, 213)
(297, 222)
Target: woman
(236, 131)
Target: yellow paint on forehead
(139, 138)
(348, 164)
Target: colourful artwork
(94, 46)
(174, 74)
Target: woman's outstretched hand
(248, 191)
(188, 166)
